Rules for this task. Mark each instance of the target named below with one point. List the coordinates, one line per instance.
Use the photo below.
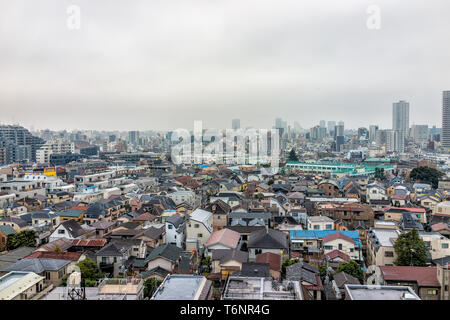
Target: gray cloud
(163, 64)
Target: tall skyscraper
(322, 123)
(235, 124)
(373, 132)
(400, 117)
(446, 119)
(419, 133)
(133, 137)
(331, 125)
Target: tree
(259, 196)
(352, 268)
(379, 173)
(89, 272)
(410, 249)
(293, 155)
(26, 238)
(426, 175)
(150, 286)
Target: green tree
(26, 238)
(259, 196)
(426, 175)
(89, 272)
(150, 286)
(293, 155)
(379, 173)
(352, 268)
(410, 250)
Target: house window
(199, 235)
(316, 227)
(340, 246)
(445, 246)
(388, 254)
(328, 247)
(61, 231)
(170, 226)
(218, 217)
(329, 226)
(432, 292)
(196, 225)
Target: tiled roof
(424, 276)
(336, 253)
(335, 236)
(73, 256)
(274, 260)
(88, 242)
(226, 237)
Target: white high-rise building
(58, 146)
(395, 141)
(446, 119)
(400, 117)
(373, 132)
(419, 133)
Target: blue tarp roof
(320, 234)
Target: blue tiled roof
(320, 234)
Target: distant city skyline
(162, 65)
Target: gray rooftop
(179, 287)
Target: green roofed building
(338, 169)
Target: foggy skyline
(160, 65)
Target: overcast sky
(162, 64)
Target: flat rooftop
(375, 292)
(180, 287)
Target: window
(388, 254)
(199, 235)
(340, 246)
(196, 225)
(329, 226)
(61, 231)
(218, 217)
(432, 292)
(316, 227)
(170, 226)
(445, 246)
(328, 247)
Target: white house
(175, 231)
(341, 242)
(198, 229)
(320, 223)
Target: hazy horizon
(160, 65)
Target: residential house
(320, 223)
(274, 261)
(198, 229)
(267, 240)
(176, 231)
(423, 280)
(227, 261)
(69, 229)
(5, 231)
(222, 239)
